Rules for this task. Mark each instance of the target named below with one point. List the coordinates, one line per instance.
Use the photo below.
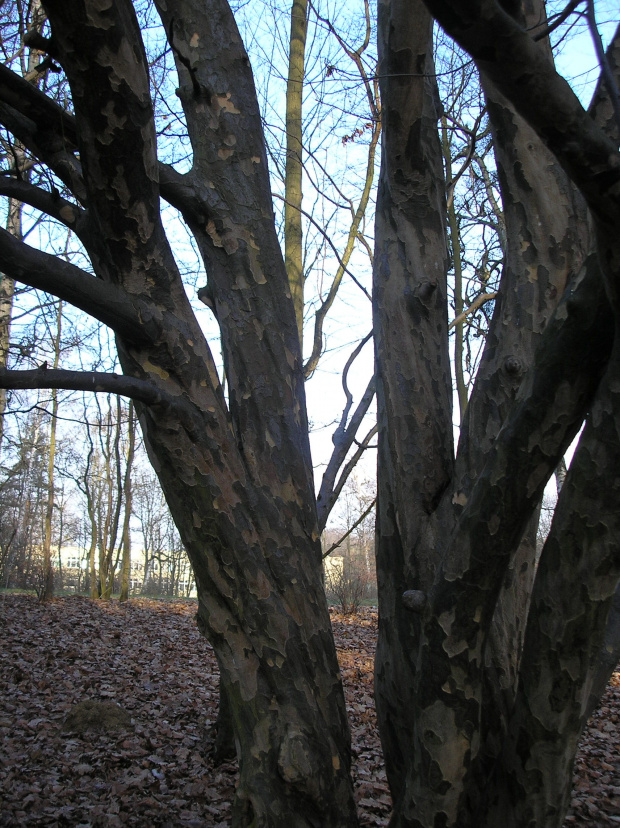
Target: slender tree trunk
(7, 291)
(293, 237)
(111, 559)
(47, 592)
(126, 560)
(92, 517)
(455, 240)
(414, 393)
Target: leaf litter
(107, 710)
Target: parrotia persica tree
(236, 471)
(480, 703)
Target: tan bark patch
(125, 67)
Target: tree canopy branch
(522, 71)
(601, 108)
(477, 303)
(135, 389)
(52, 203)
(343, 439)
(366, 512)
(96, 381)
(45, 272)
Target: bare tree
(236, 472)
(479, 710)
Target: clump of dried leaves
(148, 658)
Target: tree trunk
(126, 560)
(573, 593)
(293, 239)
(541, 258)
(455, 557)
(47, 592)
(14, 219)
(237, 476)
(409, 300)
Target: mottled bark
(541, 257)
(236, 474)
(573, 592)
(412, 363)
(445, 703)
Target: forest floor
(148, 657)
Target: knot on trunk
(294, 760)
(414, 600)
(513, 366)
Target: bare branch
(324, 509)
(451, 185)
(478, 302)
(522, 71)
(607, 74)
(557, 20)
(96, 381)
(343, 439)
(103, 301)
(355, 525)
(333, 247)
(139, 390)
(43, 127)
(601, 108)
(52, 203)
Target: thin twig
(478, 302)
(355, 525)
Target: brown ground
(149, 658)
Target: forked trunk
(236, 472)
(455, 557)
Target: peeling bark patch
(294, 760)
(260, 586)
(452, 646)
(119, 184)
(155, 369)
(114, 123)
(227, 240)
(125, 67)
(94, 16)
(139, 212)
(447, 747)
(68, 214)
(223, 103)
